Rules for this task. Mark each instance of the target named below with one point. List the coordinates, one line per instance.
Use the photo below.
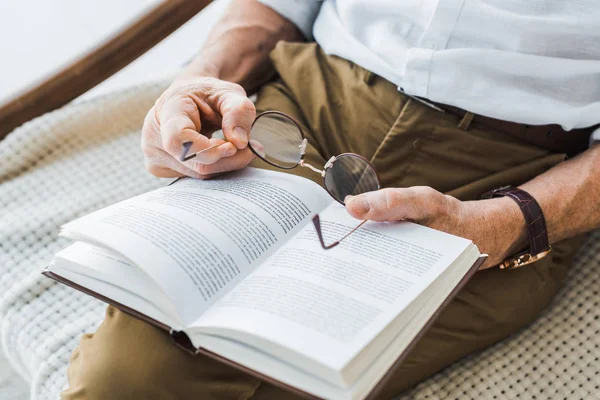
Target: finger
(179, 123)
(163, 172)
(210, 176)
(237, 112)
(238, 161)
(156, 160)
(217, 150)
(150, 137)
(417, 204)
(257, 147)
(162, 164)
(176, 129)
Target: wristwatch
(536, 226)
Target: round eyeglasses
(277, 139)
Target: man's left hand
(496, 226)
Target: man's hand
(192, 110)
(496, 226)
(197, 103)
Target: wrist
(512, 222)
(198, 69)
(502, 228)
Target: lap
(127, 358)
(342, 108)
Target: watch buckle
(523, 259)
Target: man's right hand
(191, 110)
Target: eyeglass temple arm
(317, 223)
(186, 149)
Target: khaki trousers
(344, 108)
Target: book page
(327, 305)
(196, 238)
(109, 275)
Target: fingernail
(360, 204)
(239, 134)
(230, 152)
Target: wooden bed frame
(99, 64)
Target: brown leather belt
(550, 137)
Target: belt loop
(466, 120)
(369, 78)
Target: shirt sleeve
(301, 12)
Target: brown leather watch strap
(535, 221)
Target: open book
(233, 268)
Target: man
(447, 99)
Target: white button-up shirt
(535, 62)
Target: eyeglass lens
(277, 139)
(350, 175)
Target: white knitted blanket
(53, 169)
(86, 156)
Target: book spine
(182, 340)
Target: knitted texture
(86, 156)
(12, 387)
(53, 169)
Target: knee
(129, 359)
(107, 377)
(117, 363)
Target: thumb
(417, 204)
(237, 112)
